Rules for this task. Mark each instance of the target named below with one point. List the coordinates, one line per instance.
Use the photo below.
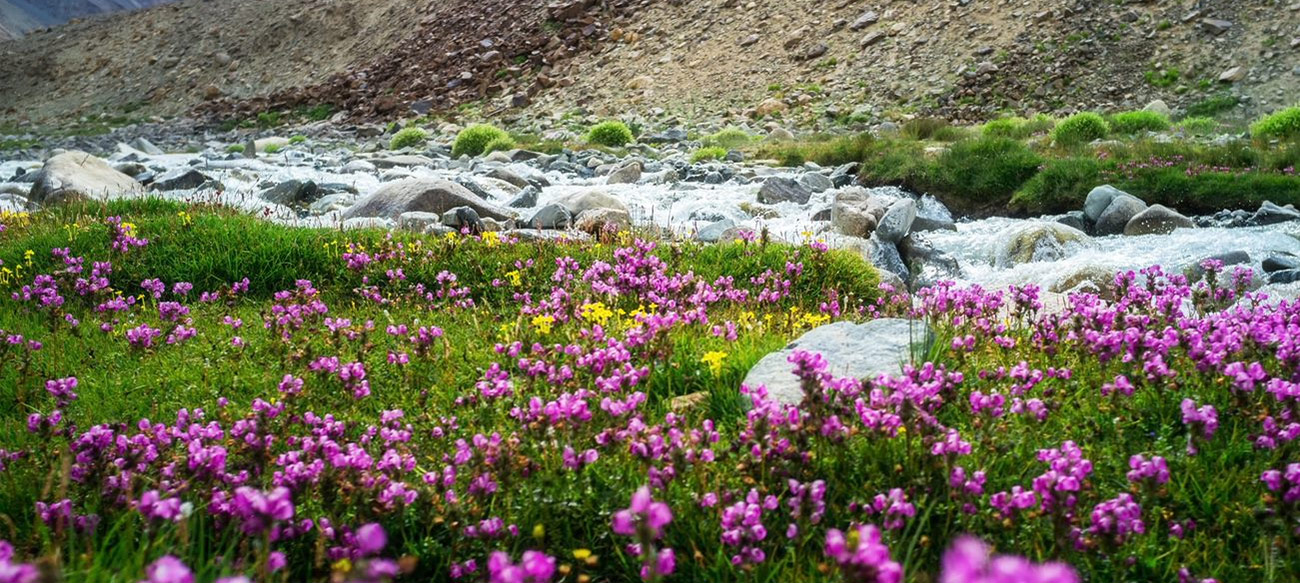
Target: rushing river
(686, 207)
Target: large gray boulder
(779, 189)
(1118, 213)
(885, 256)
(862, 351)
(816, 181)
(585, 200)
(596, 221)
(855, 212)
(1272, 214)
(932, 215)
(628, 173)
(897, 222)
(77, 175)
(1157, 220)
(293, 193)
(1098, 199)
(551, 216)
(1038, 241)
(430, 195)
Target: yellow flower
(714, 360)
(581, 554)
(543, 323)
(451, 235)
(597, 313)
(186, 219)
(515, 279)
(491, 239)
(27, 256)
(128, 228)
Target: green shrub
(709, 153)
(235, 149)
(1198, 126)
(985, 170)
(1039, 124)
(824, 150)
(1166, 78)
(298, 139)
(1213, 106)
(268, 119)
(729, 138)
(271, 148)
(610, 133)
(1007, 127)
(474, 139)
(924, 128)
(1283, 125)
(1080, 128)
(1132, 122)
(1060, 185)
(408, 138)
(501, 144)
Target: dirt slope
(167, 59)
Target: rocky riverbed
(577, 194)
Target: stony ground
(820, 63)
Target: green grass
(1162, 79)
(1133, 122)
(728, 138)
(1282, 125)
(1080, 128)
(708, 154)
(1213, 106)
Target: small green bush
(1018, 127)
(1213, 106)
(298, 139)
(729, 138)
(1132, 122)
(709, 153)
(1080, 128)
(1166, 78)
(271, 148)
(1061, 185)
(1198, 126)
(474, 139)
(501, 144)
(268, 119)
(1006, 127)
(924, 128)
(610, 133)
(824, 150)
(985, 170)
(408, 138)
(235, 149)
(1283, 125)
(1039, 124)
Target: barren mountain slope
(20, 16)
(167, 59)
(963, 59)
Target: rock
(132, 169)
(76, 175)
(855, 212)
(628, 173)
(669, 136)
(1160, 107)
(884, 255)
(461, 218)
(688, 402)
(180, 179)
(418, 221)
(527, 198)
(402, 161)
(714, 177)
(293, 193)
(779, 135)
(146, 146)
(1088, 279)
(13, 203)
(583, 200)
(862, 351)
(712, 232)
(922, 257)
(1098, 199)
(551, 216)
(505, 175)
(597, 221)
(816, 182)
(1281, 263)
(518, 155)
(422, 194)
(1215, 26)
(814, 52)
(1233, 75)
(1157, 220)
(872, 38)
(897, 222)
(932, 215)
(843, 174)
(1272, 214)
(1287, 276)
(358, 166)
(1075, 220)
(779, 189)
(497, 157)
(1118, 213)
(1038, 241)
(277, 142)
(770, 106)
(868, 18)
(331, 202)
(534, 235)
